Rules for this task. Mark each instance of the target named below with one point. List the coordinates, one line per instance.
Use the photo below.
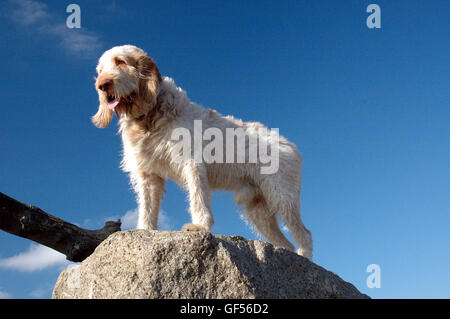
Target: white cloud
(130, 218)
(164, 221)
(28, 12)
(76, 41)
(4, 295)
(38, 293)
(37, 257)
(35, 16)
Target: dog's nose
(104, 84)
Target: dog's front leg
(196, 181)
(150, 191)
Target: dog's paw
(194, 227)
(305, 253)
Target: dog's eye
(120, 62)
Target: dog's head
(127, 83)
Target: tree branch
(31, 222)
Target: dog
(150, 108)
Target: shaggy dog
(151, 108)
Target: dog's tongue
(113, 104)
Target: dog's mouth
(113, 100)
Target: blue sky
(368, 109)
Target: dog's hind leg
(267, 225)
(262, 218)
(302, 236)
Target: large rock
(170, 264)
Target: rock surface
(172, 264)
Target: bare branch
(31, 222)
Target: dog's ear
(103, 116)
(149, 79)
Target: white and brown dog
(150, 108)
